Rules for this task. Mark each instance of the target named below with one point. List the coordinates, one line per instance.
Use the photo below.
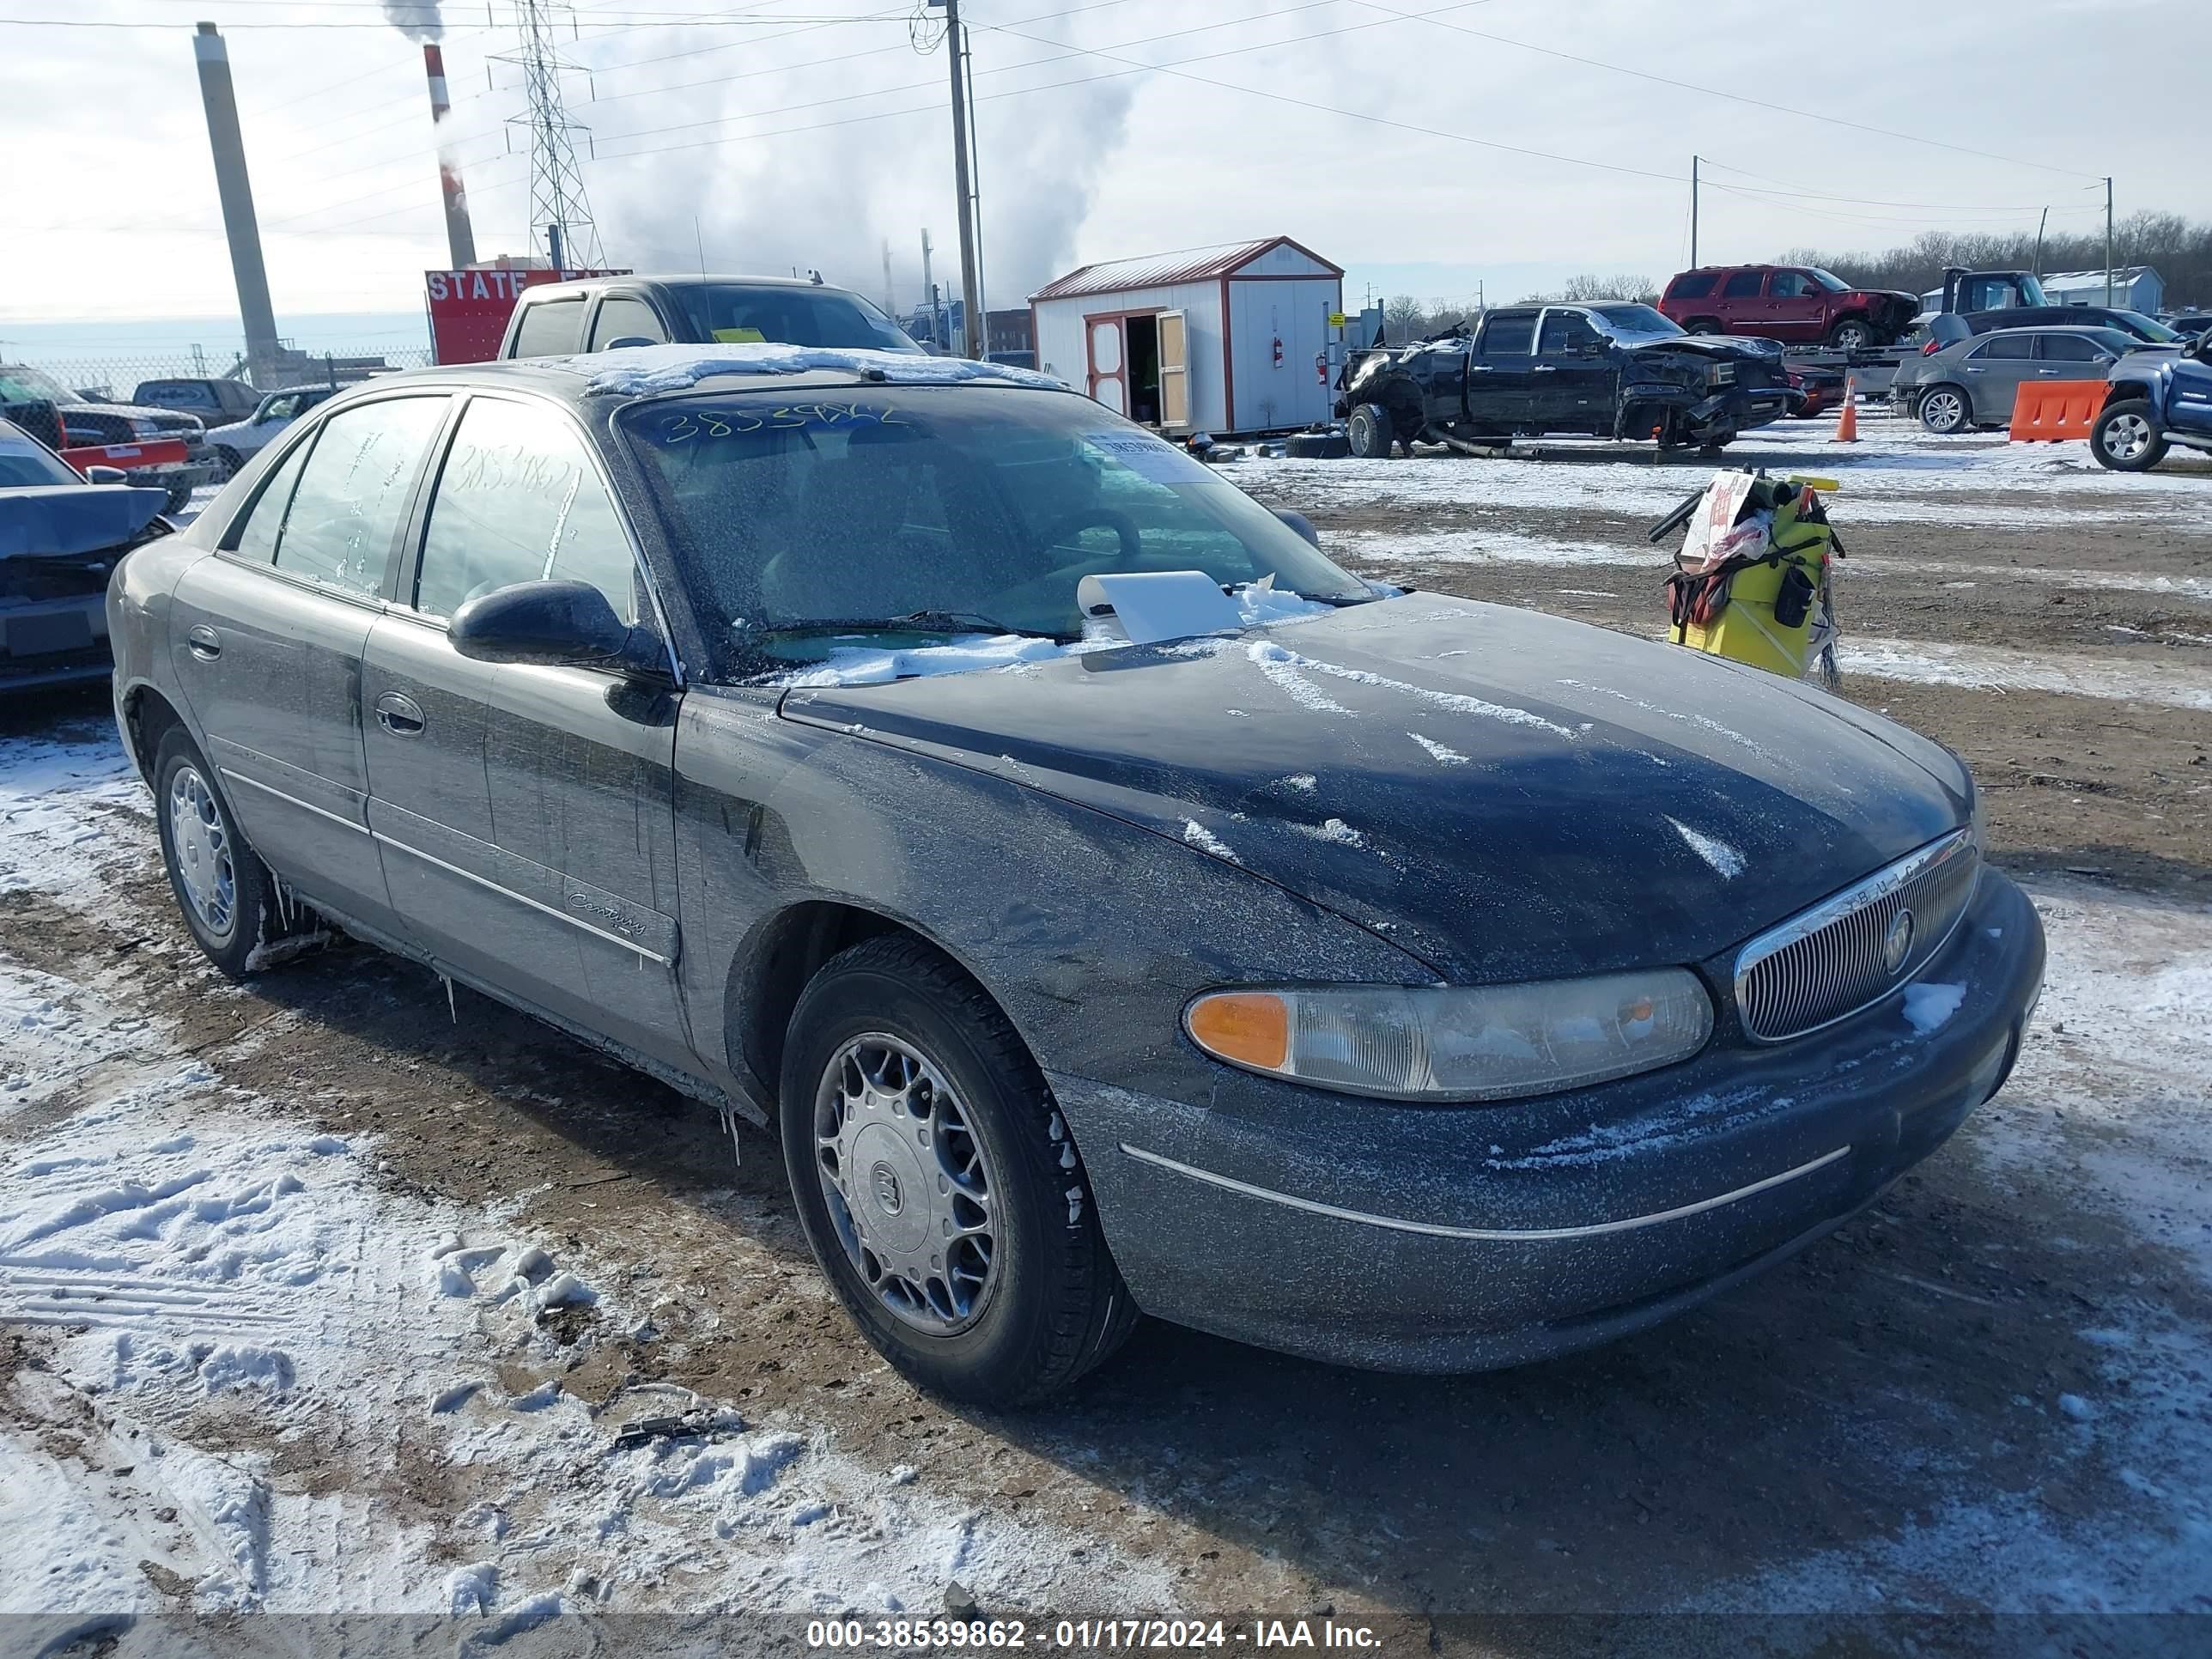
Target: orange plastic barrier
(2049, 411)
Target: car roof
(644, 372)
(691, 279)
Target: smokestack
(460, 237)
(236, 192)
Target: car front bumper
(48, 642)
(1467, 1237)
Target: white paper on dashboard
(1161, 605)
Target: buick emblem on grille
(1897, 942)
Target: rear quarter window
(1695, 286)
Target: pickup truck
(1612, 370)
(2154, 399)
(85, 423)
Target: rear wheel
(1852, 334)
(2125, 437)
(1702, 325)
(938, 1183)
(226, 893)
(1944, 409)
(1370, 432)
(227, 461)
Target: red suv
(1793, 303)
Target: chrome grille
(1828, 964)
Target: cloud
(417, 20)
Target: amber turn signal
(1251, 1028)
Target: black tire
(1052, 1306)
(1370, 432)
(1702, 325)
(1945, 408)
(227, 461)
(255, 919)
(2130, 422)
(1852, 334)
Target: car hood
(62, 520)
(1709, 345)
(1503, 792)
(234, 432)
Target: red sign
(469, 309)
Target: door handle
(2046, 371)
(204, 642)
(1545, 369)
(399, 714)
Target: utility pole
(890, 304)
(2039, 224)
(2108, 244)
(929, 292)
(980, 344)
(968, 298)
(1693, 212)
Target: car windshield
(1828, 279)
(952, 509)
(2146, 328)
(23, 384)
(1635, 320)
(737, 313)
(24, 464)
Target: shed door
(1109, 383)
(1174, 371)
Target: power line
(1732, 97)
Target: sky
(1430, 147)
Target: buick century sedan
(1114, 906)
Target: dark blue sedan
(1114, 906)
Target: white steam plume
(417, 20)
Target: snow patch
(1723, 858)
(1206, 842)
(641, 371)
(1929, 1007)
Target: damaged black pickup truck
(1613, 370)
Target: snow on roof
(1189, 265)
(2120, 274)
(640, 370)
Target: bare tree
(2180, 249)
(1402, 318)
(1588, 289)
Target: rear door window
(519, 499)
(624, 317)
(2006, 347)
(1509, 334)
(352, 492)
(2068, 349)
(1741, 285)
(550, 328)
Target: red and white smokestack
(460, 237)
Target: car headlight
(1721, 374)
(1458, 1042)
(142, 428)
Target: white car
(238, 442)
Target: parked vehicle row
(1974, 381)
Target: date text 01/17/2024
(924, 1635)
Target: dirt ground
(1875, 1425)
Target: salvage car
(599, 313)
(1614, 370)
(213, 400)
(1113, 904)
(1798, 304)
(1973, 382)
(88, 424)
(2154, 400)
(232, 444)
(61, 537)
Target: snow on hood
(640, 370)
(1259, 604)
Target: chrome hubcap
(1944, 409)
(202, 845)
(910, 1187)
(2127, 437)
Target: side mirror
(627, 341)
(555, 623)
(1299, 522)
(107, 475)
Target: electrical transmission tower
(561, 229)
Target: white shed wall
(1268, 395)
(1284, 262)
(1060, 343)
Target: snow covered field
(316, 1299)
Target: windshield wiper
(972, 620)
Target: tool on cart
(1752, 580)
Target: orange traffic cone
(1847, 429)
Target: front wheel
(227, 463)
(1369, 432)
(938, 1184)
(1852, 334)
(2125, 437)
(1944, 409)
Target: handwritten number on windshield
(723, 423)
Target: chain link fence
(116, 378)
